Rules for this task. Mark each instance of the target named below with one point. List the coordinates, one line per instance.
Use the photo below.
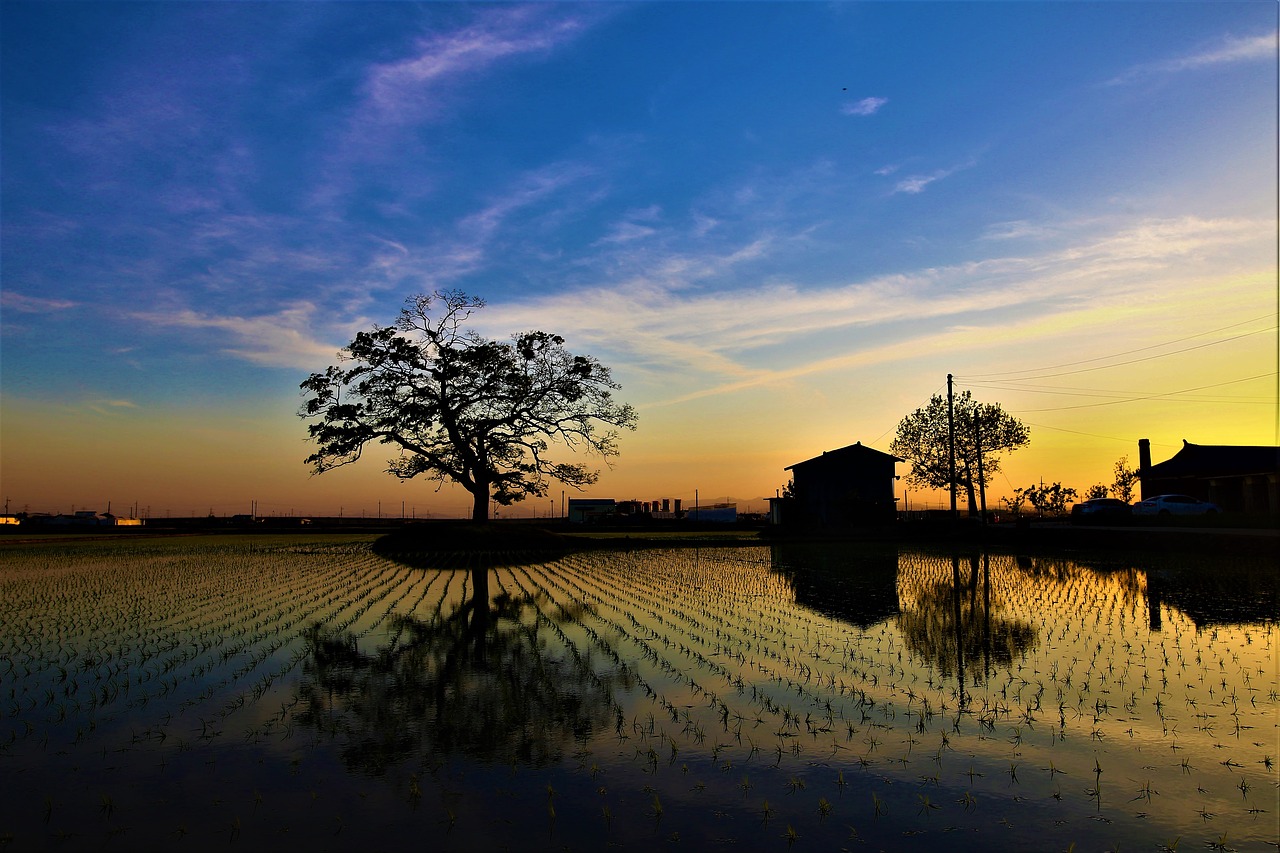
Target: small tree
(1015, 501)
(1095, 492)
(982, 432)
(1052, 499)
(460, 407)
(1126, 478)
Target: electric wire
(1123, 396)
(1120, 363)
(1140, 399)
(1011, 375)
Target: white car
(1174, 505)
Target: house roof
(851, 452)
(1217, 460)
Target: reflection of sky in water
(664, 693)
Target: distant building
(722, 513)
(851, 485)
(584, 510)
(1238, 478)
(81, 518)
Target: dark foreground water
(303, 693)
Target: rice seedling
(743, 668)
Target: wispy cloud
(864, 107)
(1256, 48)
(109, 407)
(689, 343)
(626, 232)
(433, 75)
(284, 339)
(914, 184)
(33, 304)
(1018, 230)
(636, 225)
(530, 189)
(406, 89)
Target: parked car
(1175, 505)
(1101, 511)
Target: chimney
(1144, 465)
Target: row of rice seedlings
(649, 615)
(720, 750)
(128, 653)
(1089, 658)
(989, 708)
(251, 635)
(223, 639)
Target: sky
(782, 225)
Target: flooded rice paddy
(302, 692)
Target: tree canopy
(462, 408)
(983, 431)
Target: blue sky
(782, 224)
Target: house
(1235, 477)
(851, 485)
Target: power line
(1125, 395)
(1093, 435)
(1147, 397)
(1011, 375)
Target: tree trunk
(969, 491)
(982, 479)
(480, 504)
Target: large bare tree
(460, 407)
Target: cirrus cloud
(864, 107)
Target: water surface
(207, 693)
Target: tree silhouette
(1125, 479)
(982, 432)
(462, 408)
(478, 679)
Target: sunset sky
(781, 224)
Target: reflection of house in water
(859, 587)
(851, 485)
(1236, 478)
(1208, 590)
(1218, 596)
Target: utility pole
(951, 445)
(977, 441)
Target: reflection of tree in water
(956, 622)
(483, 680)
